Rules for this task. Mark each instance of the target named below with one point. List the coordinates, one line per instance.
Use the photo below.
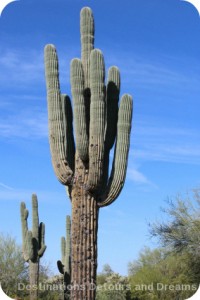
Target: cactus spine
(64, 266)
(99, 124)
(33, 244)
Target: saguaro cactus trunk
(33, 244)
(84, 240)
(99, 124)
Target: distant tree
(111, 285)
(102, 276)
(107, 270)
(13, 269)
(147, 257)
(180, 233)
(157, 275)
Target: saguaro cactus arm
(29, 254)
(60, 264)
(24, 216)
(118, 173)
(35, 217)
(27, 239)
(79, 105)
(42, 246)
(68, 130)
(57, 134)
(112, 99)
(64, 263)
(97, 119)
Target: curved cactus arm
(55, 116)
(77, 88)
(97, 119)
(42, 246)
(60, 267)
(42, 235)
(118, 173)
(112, 99)
(68, 130)
(42, 250)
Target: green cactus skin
(33, 243)
(59, 145)
(100, 123)
(64, 265)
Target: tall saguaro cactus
(99, 124)
(64, 265)
(33, 244)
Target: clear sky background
(156, 45)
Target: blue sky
(156, 45)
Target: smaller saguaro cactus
(33, 244)
(64, 266)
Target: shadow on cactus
(83, 168)
(33, 244)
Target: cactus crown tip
(86, 9)
(75, 61)
(49, 47)
(127, 97)
(113, 68)
(96, 52)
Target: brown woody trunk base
(83, 242)
(33, 279)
